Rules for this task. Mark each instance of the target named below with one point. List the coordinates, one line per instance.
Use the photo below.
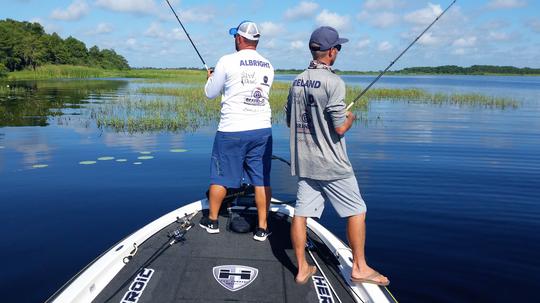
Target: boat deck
(183, 272)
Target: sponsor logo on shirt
(248, 78)
(307, 83)
(305, 124)
(265, 81)
(257, 98)
(258, 63)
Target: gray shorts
(344, 195)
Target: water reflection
(32, 103)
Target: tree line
(472, 70)
(25, 45)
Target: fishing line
(403, 52)
(185, 31)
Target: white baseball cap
(246, 29)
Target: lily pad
(87, 162)
(39, 165)
(137, 163)
(121, 160)
(145, 157)
(145, 152)
(105, 158)
(178, 150)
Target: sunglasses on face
(338, 47)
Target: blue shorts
(242, 157)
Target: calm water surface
(453, 192)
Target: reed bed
(84, 72)
(187, 108)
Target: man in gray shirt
(317, 116)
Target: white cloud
(429, 40)
(131, 42)
(332, 19)
(465, 42)
(102, 28)
(425, 15)
(363, 43)
(499, 36)
(298, 44)
(48, 27)
(381, 4)
(270, 44)
(196, 15)
(303, 10)
(129, 6)
(74, 11)
(496, 4)
(384, 46)
(534, 25)
(380, 20)
(156, 31)
(270, 29)
(459, 51)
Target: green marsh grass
(187, 108)
(84, 72)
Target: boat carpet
(183, 272)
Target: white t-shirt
(244, 79)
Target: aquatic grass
(414, 95)
(50, 71)
(186, 108)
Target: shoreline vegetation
(65, 71)
(152, 107)
(25, 46)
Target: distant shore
(190, 75)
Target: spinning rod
(185, 31)
(403, 52)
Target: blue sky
(497, 32)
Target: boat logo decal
(323, 289)
(138, 285)
(234, 277)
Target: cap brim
(342, 40)
(233, 31)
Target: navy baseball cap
(325, 37)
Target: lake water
(453, 192)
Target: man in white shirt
(242, 149)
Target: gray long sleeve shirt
(315, 106)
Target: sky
(146, 33)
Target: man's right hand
(350, 115)
(209, 73)
(341, 130)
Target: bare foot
(303, 276)
(369, 275)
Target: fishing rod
(185, 31)
(403, 52)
